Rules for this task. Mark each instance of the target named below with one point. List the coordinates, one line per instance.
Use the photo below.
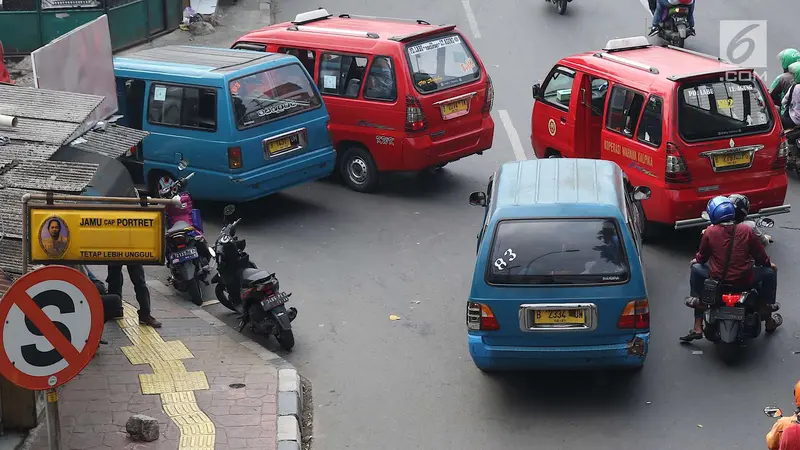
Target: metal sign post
(53, 421)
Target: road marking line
(646, 6)
(516, 144)
(170, 380)
(473, 24)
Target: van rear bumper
(541, 358)
(423, 151)
(282, 175)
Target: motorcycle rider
(713, 253)
(663, 5)
(790, 117)
(784, 81)
(742, 205)
(774, 435)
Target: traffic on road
(652, 168)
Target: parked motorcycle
(261, 301)
(560, 4)
(675, 26)
(188, 253)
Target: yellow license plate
(734, 159)
(455, 109)
(280, 145)
(559, 316)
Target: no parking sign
(51, 321)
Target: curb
(290, 391)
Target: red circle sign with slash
(51, 321)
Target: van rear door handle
(563, 121)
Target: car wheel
(358, 170)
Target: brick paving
(97, 403)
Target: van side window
(650, 126)
(624, 109)
(341, 75)
(599, 95)
(307, 57)
(557, 89)
(381, 84)
(183, 107)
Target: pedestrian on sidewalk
(136, 274)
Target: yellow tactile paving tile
(170, 380)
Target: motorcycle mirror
(704, 215)
(228, 210)
(773, 411)
(766, 222)
(182, 164)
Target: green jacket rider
(784, 81)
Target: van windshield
(721, 108)
(558, 251)
(441, 62)
(272, 94)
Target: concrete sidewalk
(207, 385)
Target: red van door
(554, 112)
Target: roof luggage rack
(339, 31)
(396, 19)
(311, 16)
(627, 62)
(696, 53)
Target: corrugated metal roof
(11, 212)
(44, 104)
(113, 142)
(39, 131)
(58, 176)
(27, 151)
(11, 255)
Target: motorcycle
(560, 4)
(188, 253)
(262, 302)
(792, 149)
(674, 28)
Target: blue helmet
(720, 209)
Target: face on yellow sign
(87, 235)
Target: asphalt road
(353, 259)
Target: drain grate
(236, 385)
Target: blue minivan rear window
(272, 94)
(558, 251)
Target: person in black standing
(136, 273)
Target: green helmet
(794, 69)
(788, 57)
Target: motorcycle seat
(253, 276)
(178, 227)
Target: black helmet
(742, 205)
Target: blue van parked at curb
(249, 124)
(559, 281)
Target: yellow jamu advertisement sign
(94, 234)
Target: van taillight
(676, 170)
(415, 118)
(481, 318)
(487, 106)
(635, 315)
(330, 131)
(783, 153)
(234, 157)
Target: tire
(358, 170)
(562, 7)
(729, 353)
(678, 42)
(286, 339)
(222, 296)
(193, 288)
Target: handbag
(712, 289)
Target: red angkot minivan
(402, 95)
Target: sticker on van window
(468, 66)
(329, 82)
(501, 264)
(434, 45)
(160, 94)
(725, 103)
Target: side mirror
(773, 411)
(765, 222)
(227, 212)
(536, 90)
(641, 193)
(704, 215)
(477, 199)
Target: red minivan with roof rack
(687, 125)
(403, 95)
